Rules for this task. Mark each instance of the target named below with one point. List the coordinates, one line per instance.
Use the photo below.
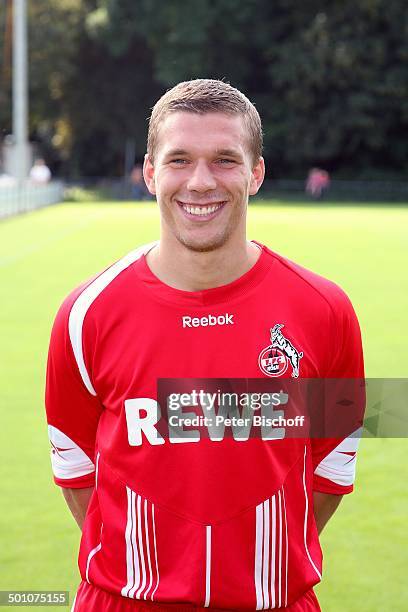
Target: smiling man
(183, 518)
(204, 161)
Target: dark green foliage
(329, 79)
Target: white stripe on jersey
(258, 556)
(270, 549)
(339, 466)
(98, 454)
(73, 603)
(148, 551)
(85, 300)
(306, 517)
(135, 550)
(68, 460)
(128, 539)
(273, 562)
(207, 565)
(139, 568)
(286, 547)
(91, 555)
(155, 554)
(280, 551)
(140, 543)
(266, 531)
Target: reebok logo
(208, 321)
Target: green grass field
(45, 254)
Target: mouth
(201, 211)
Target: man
(40, 174)
(318, 181)
(220, 523)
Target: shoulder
(308, 285)
(79, 301)
(325, 311)
(102, 289)
(74, 316)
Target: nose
(201, 178)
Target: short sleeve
(72, 411)
(334, 459)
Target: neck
(189, 270)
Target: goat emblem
(274, 359)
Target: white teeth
(201, 210)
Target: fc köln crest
(275, 358)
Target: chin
(203, 246)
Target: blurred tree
(109, 97)
(53, 39)
(329, 79)
(342, 77)
(52, 34)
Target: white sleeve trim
(84, 301)
(68, 460)
(339, 466)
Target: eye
(179, 161)
(225, 161)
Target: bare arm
(78, 501)
(324, 506)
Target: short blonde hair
(206, 96)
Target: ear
(257, 176)
(148, 174)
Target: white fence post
(15, 199)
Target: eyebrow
(228, 152)
(224, 152)
(173, 152)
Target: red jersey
(218, 523)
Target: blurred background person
(318, 181)
(40, 174)
(137, 183)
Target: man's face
(202, 177)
